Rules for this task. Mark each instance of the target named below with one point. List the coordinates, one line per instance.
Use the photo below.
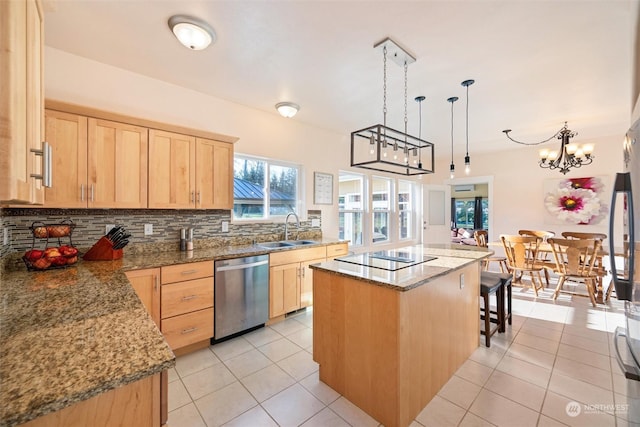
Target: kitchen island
(388, 335)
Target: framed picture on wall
(322, 188)
(577, 201)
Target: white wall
(77, 80)
(518, 183)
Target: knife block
(102, 251)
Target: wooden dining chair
(522, 258)
(481, 237)
(599, 266)
(575, 260)
(546, 258)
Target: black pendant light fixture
(407, 155)
(467, 159)
(452, 168)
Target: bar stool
(490, 284)
(506, 280)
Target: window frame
(299, 203)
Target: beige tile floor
(555, 353)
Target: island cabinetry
(290, 279)
(389, 351)
(187, 303)
(22, 101)
(189, 172)
(96, 163)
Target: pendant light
(467, 159)
(382, 148)
(452, 168)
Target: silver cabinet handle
(198, 197)
(303, 271)
(82, 192)
(47, 154)
(189, 297)
(155, 283)
(188, 272)
(189, 330)
(193, 197)
(92, 193)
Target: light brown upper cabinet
(186, 172)
(96, 163)
(214, 174)
(21, 101)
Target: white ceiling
(536, 63)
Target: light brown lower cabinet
(135, 404)
(146, 283)
(291, 279)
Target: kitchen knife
(121, 244)
(113, 231)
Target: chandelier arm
(555, 135)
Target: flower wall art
(580, 201)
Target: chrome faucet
(286, 224)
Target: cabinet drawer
(180, 331)
(297, 255)
(182, 272)
(184, 297)
(337, 250)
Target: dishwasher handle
(242, 266)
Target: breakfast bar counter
(389, 336)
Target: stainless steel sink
(285, 243)
(302, 242)
(275, 245)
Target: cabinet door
(214, 174)
(21, 103)
(284, 289)
(147, 286)
(171, 170)
(35, 97)
(306, 282)
(117, 165)
(67, 134)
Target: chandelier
(569, 156)
(384, 149)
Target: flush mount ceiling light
(287, 109)
(569, 156)
(192, 32)
(384, 149)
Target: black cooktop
(391, 260)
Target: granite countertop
(449, 257)
(68, 335)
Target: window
(381, 205)
(263, 188)
(350, 207)
(405, 209)
(466, 211)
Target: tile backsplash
(91, 223)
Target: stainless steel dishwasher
(241, 294)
